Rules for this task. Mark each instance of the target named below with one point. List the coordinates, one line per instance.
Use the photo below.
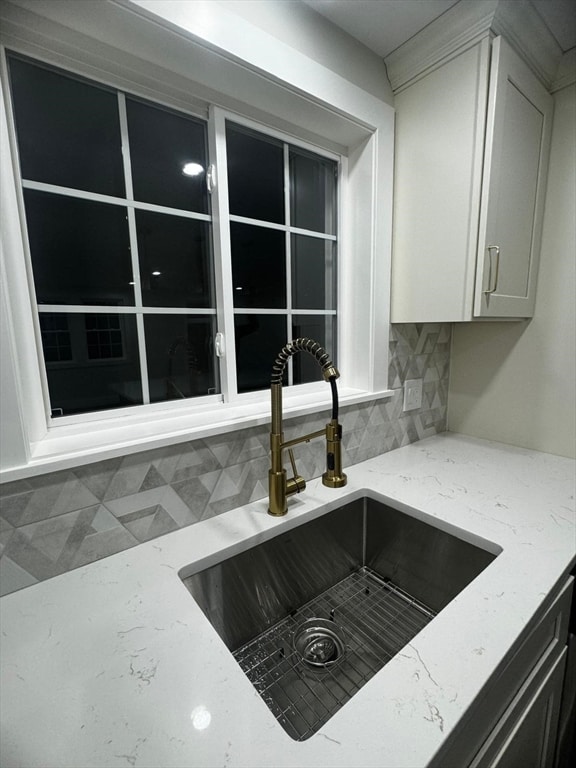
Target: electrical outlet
(412, 394)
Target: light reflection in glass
(192, 169)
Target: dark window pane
(258, 267)
(80, 250)
(259, 339)
(87, 382)
(313, 273)
(175, 263)
(255, 175)
(180, 355)
(68, 131)
(162, 144)
(312, 192)
(320, 328)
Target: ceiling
(383, 25)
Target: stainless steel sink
(312, 614)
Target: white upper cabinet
(472, 142)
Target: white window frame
(225, 310)
(354, 123)
(225, 301)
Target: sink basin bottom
(373, 618)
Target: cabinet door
(513, 187)
(526, 734)
(440, 123)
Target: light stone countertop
(114, 664)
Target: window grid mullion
(143, 358)
(275, 311)
(96, 197)
(288, 241)
(131, 216)
(222, 253)
(331, 275)
(282, 227)
(123, 310)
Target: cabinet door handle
(491, 248)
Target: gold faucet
(279, 485)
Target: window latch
(219, 346)
(211, 178)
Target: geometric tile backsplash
(52, 523)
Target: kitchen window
(172, 256)
(168, 62)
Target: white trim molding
(465, 24)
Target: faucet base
(337, 481)
(280, 488)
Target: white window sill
(68, 446)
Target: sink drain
(319, 642)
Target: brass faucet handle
(297, 482)
(292, 461)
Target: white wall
(516, 382)
(306, 31)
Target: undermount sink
(312, 614)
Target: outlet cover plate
(412, 394)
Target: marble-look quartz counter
(114, 664)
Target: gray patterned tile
(165, 496)
(230, 482)
(197, 460)
(97, 477)
(303, 425)
(210, 480)
(49, 547)
(237, 486)
(102, 544)
(194, 494)
(355, 418)
(15, 487)
(149, 523)
(415, 348)
(128, 477)
(242, 445)
(51, 495)
(13, 507)
(379, 414)
(153, 479)
(310, 459)
(13, 577)
(6, 531)
(165, 460)
(260, 490)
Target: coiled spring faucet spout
(280, 486)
